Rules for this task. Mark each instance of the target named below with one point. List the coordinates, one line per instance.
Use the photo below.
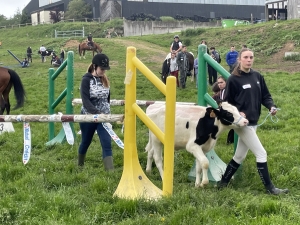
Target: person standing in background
(212, 73)
(43, 53)
(62, 55)
(174, 67)
(182, 62)
(196, 70)
(29, 54)
(222, 86)
(231, 58)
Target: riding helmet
(176, 36)
(102, 61)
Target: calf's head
(228, 115)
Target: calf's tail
(149, 145)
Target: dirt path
(156, 53)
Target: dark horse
(44, 54)
(85, 47)
(165, 71)
(9, 78)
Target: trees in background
(25, 17)
(18, 18)
(56, 15)
(78, 9)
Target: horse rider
(176, 46)
(90, 40)
(29, 54)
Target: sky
(9, 8)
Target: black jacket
(29, 51)
(248, 92)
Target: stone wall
(139, 28)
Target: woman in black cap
(95, 94)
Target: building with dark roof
(106, 9)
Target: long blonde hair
(237, 69)
(104, 78)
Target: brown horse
(84, 47)
(9, 78)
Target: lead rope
(269, 114)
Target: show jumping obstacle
(216, 165)
(67, 92)
(134, 183)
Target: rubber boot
(263, 172)
(229, 172)
(81, 158)
(108, 163)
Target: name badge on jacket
(246, 86)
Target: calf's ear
(213, 113)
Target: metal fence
(69, 33)
(84, 20)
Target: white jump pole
(97, 118)
(115, 102)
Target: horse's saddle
(90, 44)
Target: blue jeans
(87, 133)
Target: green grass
(52, 190)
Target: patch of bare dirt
(71, 44)
(289, 47)
(277, 62)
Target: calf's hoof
(201, 185)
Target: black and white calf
(197, 129)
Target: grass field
(52, 190)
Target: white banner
(68, 131)
(27, 143)
(113, 135)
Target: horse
(46, 53)
(166, 70)
(85, 47)
(190, 57)
(9, 78)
